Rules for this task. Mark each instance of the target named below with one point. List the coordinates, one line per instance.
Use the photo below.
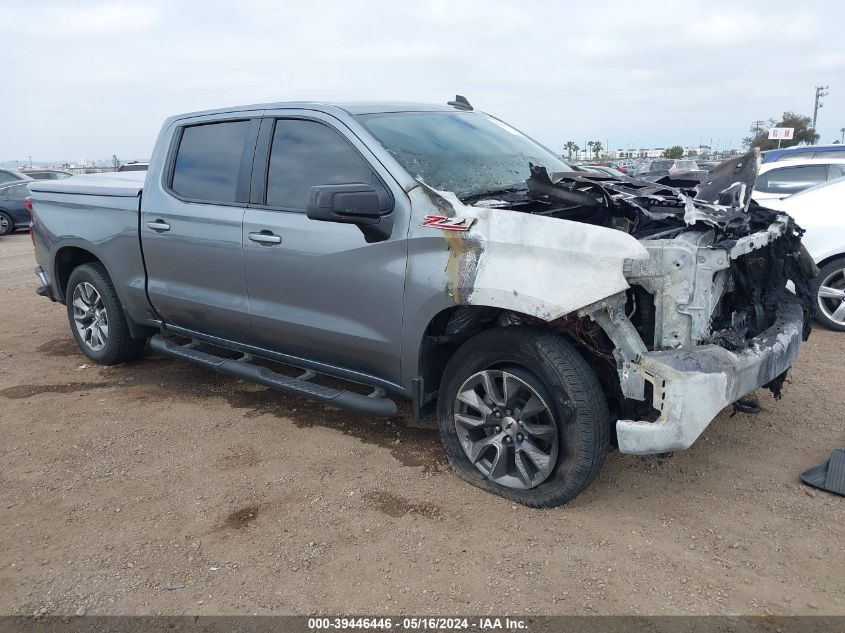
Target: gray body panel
(104, 225)
(325, 293)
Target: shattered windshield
(468, 153)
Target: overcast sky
(92, 79)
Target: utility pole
(821, 91)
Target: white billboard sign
(782, 133)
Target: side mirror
(362, 204)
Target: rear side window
(305, 154)
(836, 171)
(5, 176)
(208, 161)
(789, 180)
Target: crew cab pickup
(535, 312)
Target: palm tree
(842, 140)
(597, 147)
(590, 147)
(570, 146)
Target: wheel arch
(66, 260)
(452, 327)
(830, 258)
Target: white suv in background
(787, 177)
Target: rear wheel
(97, 319)
(829, 288)
(522, 415)
(7, 225)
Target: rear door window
(305, 154)
(789, 180)
(208, 161)
(836, 171)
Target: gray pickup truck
(357, 254)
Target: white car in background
(820, 210)
(787, 177)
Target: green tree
(115, 161)
(570, 147)
(597, 148)
(804, 133)
(590, 148)
(676, 151)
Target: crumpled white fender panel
(544, 267)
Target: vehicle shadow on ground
(411, 447)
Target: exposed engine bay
(719, 264)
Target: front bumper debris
(691, 386)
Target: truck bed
(123, 185)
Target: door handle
(265, 238)
(158, 225)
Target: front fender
(544, 267)
(534, 265)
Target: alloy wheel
(831, 297)
(506, 429)
(90, 316)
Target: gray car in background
(533, 312)
(12, 175)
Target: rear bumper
(691, 386)
(45, 289)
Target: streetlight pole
(821, 91)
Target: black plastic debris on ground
(829, 475)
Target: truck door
(318, 290)
(192, 227)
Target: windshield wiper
(495, 192)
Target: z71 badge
(448, 224)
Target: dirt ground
(162, 488)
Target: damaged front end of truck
(686, 300)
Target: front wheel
(829, 288)
(97, 319)
(521, 414)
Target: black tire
(839, 283)
(561, 376)
(119, 347)
(7, 224)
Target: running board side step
(376, 405)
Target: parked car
(784, 178)
(134, 166)
(706, 165)
(673, 172)
(819, 210)
(435, 254)
(13, 212)
(602, 169)
(804, 151)
(605, 163)
(47, 174)
(12, 175)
